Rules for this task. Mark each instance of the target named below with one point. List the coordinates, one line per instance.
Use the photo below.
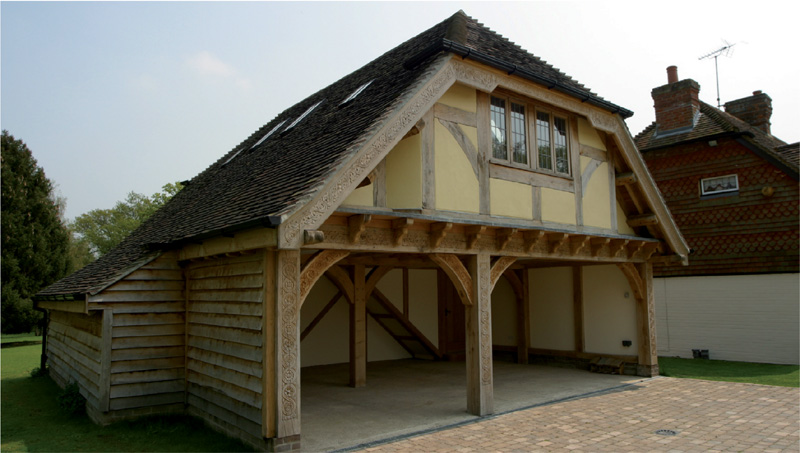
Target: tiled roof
(255, 185)
(790, 153)
(714, 122)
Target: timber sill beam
(356, 224)
(438, 232)
(642, 220)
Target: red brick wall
(738, 233)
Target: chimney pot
(672, 74)
(757, 92)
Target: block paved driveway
(706, 416)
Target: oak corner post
(646, 323)
(281, 404)
(480, 396)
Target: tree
(100, 230)
(35, 241)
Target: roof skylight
(268, 134)
(357, 92)
(300, 118)
(257, 143)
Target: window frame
(532, 110)
(703, 192)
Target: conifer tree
(35, 241)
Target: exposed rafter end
(400, 230)
(503, 236)
(313, 237)
(642, 220)
(356, 224)
(616, 246)
(531, 238)
(597, 244)
(624, 179)
(438, 232)
(473, 234)
(556, 240)
(634, 248)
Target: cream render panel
(510, 199)
(596, 193)
(504, 314)
(461, 97)
(363, 196)
(558, 206)
(587, 135)
(622, 222)
(404, 174)
(456, 183)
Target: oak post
(646, 323)
(577, 307)
(478, 326)
(358, 329)
(523, 320)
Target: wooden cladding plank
(234, 391)
(146, 401)
(228, 334)
(229, 270)
(77, 345)
(91, 324)
(88, 387)
(89, 366)
(220, 399)
(227, 375)
(75, 370)
(146, 353)
(227, 283)
(147, 319)
(138, 296)
(146, 285)
(133, 377)
(92, 341)
(146, 388)
(226, 320)
(140, 307)
(225, 415)
(126, 366)
(149, 275)
(242, 295)
(142, 342)
(227, 308)
(223, 347)
(148, 331)
(226, 361)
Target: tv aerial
(725, 50)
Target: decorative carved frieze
(317, 266)
(288, 314)
(454, 268)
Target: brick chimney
(676, 103)
(756, 110)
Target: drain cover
(666, 432)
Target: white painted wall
(609, 311)
(749, 318)
(552, 322)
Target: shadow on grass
(33, 421)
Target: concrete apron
(403, 397)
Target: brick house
(732, 187)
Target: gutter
(446, 45)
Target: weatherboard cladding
(276, 177)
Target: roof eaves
(446, 45)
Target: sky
(120, 97)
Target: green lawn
(721, 370)
(33, 421)
(18, 337)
